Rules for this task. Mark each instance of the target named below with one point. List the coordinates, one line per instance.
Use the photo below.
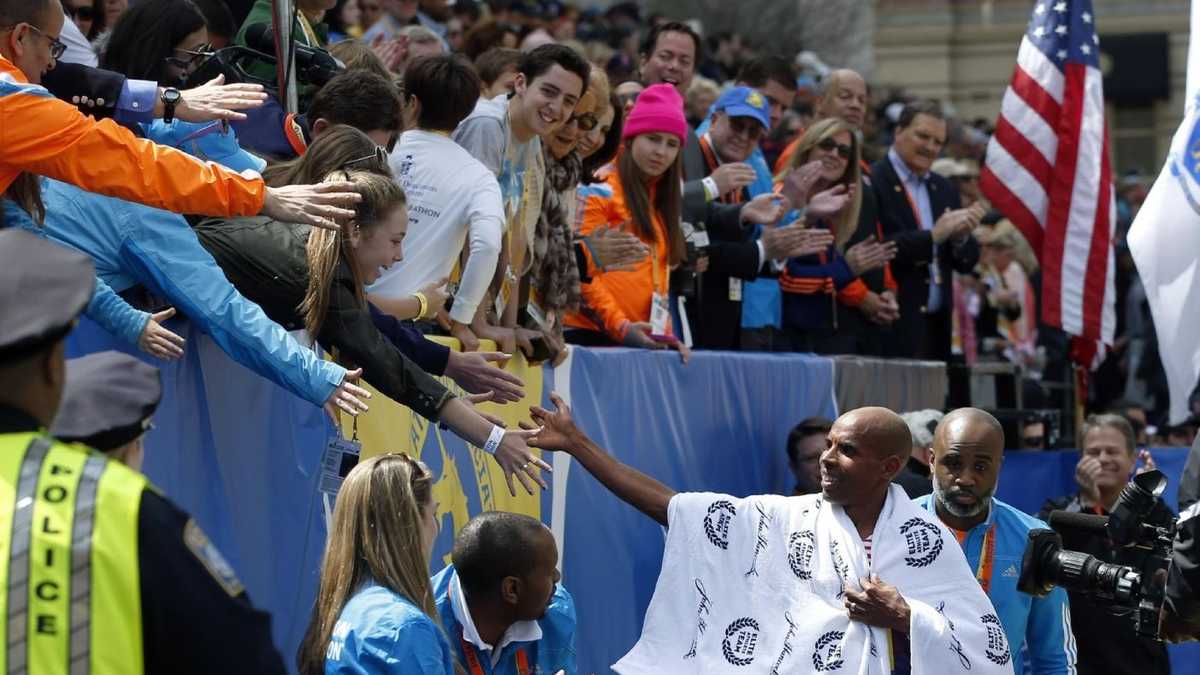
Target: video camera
(314, 66)
(1135, 590)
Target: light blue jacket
(762, 299)
(555, 650)
(132, 243)
(1037, 628)
(382, 632)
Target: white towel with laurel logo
(755, 585)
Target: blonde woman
(315, 279)
(825, 175)
(374, 611)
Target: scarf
(555, 275)
(757, 585)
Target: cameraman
(1107, 643)
(1181, 611)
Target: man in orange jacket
(40, 135)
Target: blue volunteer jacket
(132, 243)
(380, 632)
(555, 650)
(1039, 628)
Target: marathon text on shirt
(764, 520)
(741, 639)
(827, 653)
(716, 522)
(703, 609)
(924, 542)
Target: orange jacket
(48, 137)
(613, 300)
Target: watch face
(171, 95)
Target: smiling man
(867, 572)
(504, 133)
(968, 450)
(920, 211)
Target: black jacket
(266, 261)
(67, 80)
(715, 320)
(914, 252)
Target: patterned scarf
(555, 274)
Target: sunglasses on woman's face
(586, 121)
(377, 160)
(829, 145)
(193, 59)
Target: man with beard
(968, 449)
(500, 601)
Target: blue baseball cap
(745, 102)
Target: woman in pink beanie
(640, 192)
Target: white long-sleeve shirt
(453, 200)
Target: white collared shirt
(521, 631)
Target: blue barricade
(243, 456)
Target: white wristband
(494, 440)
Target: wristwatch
(170, 98)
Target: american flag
(1048, 168)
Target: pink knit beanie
(659, 108)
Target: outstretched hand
(156, 340)
(555, 430)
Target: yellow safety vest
(70, 600)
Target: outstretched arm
(636, 488)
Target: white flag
(1165, 243)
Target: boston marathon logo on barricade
(1185, 162)
(467, 481)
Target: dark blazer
(694, 171)
(265, 260)
(918, 333)
(67, 80)
(715, 320)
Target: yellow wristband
(424, 302)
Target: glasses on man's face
(376, 160)
(57, 47)
(829, 145)
(193, 57)
(585, 122)
(743, 126)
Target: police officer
(107, 404)
(101, 573)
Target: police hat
(108, 400)
(745, 102)
(43, 288)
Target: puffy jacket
(266, 260)
(45, 136)
(614, 300)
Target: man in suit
(920, 211)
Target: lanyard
(476, 667)
(987, 556)
(935, 268)
(710, 157)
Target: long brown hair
(341, 146)
(326, 248)
(26, 192)
(376, 535)
(820, 130)
(668, 201)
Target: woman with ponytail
(312, 279)
(374, 611)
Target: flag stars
(1087, 18)
(1039, 32)
(1085, 49)
(1061, 54)
(1040, 9)
(1061, 29)
(1095, 38)
(1060, 7)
